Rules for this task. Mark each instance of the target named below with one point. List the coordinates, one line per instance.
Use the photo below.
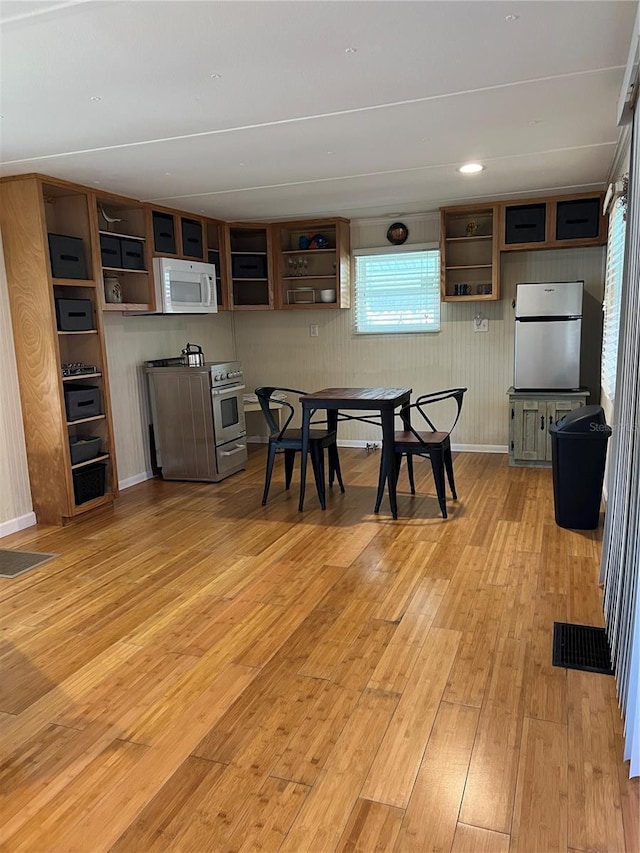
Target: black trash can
(578, 453)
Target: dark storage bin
(110, 253)
(578, 220)
(82, 401)
(67, 256)
(74, 315)
(525, 223)
(249, 266)
(192, 239)
(578, 454)
(84, 448)
(164, 233)
(132, 254)
(89, 482)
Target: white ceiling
(295, 126)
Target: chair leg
(317, 460)
(289, 458)
(271, 456)
(334, 466)
(412, 482)
(448, 464)
(437, 466)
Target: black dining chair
(432, 443)
(288, 440)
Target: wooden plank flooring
(198, 673)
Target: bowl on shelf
(484, 289)
(328, 295)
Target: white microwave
(184, 287)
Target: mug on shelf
(461, 290)
(484, 289)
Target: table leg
(304, 449)
(388, 435)
(332, 425)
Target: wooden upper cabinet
(120, 231)
(249, 266)
(553, 223)
(469, 253)
(312, 264)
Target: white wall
(132, 340)
(276, 348)
(15, 495)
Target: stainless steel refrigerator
(548, 327)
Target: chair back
(426, 400)
(266, 397)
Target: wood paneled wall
(15, 496)
(276, 347)
(131, 341)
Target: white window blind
(612, 293)
(397, 291)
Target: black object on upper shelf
(67, 256)
(525, 223)
(164, 233)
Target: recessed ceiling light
(351, 50)
(240, 164)
(330, 153)
(96, 182)
(512, 18)
(215, 76)
(167, 173)
(96, 97)
(536, 121)
(471, 168)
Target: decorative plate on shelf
(397, 233)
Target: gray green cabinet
(531, 413)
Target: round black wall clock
(397, 233)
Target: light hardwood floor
(195, 672)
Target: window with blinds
(397, 291)
(612, 294)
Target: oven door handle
(232, 389)
(238, 449)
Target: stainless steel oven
(227, 387)
(198, 419)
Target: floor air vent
(581, 647)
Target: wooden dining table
(384, 401)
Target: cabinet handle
(513, 414)
(550, 419)
(542, 422)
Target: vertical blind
(621, 544)
(397, 291)
(612, 296)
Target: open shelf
(84, 464)
(81, 376)
(125, 236)
(86, 420)
(87, 332)
(123, 270)
(469, 255)
(73, 282)
(126, 306)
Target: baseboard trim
(16, 524)
(133, 481)
(347, 442)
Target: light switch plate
(313, 330)
(480, 324)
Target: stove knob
(228, 376)
(217, 377)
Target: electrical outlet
(313, 330)
(480, 324)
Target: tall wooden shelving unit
(30, 207)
